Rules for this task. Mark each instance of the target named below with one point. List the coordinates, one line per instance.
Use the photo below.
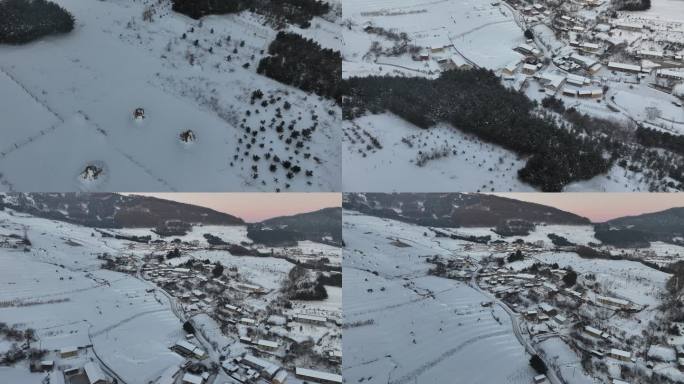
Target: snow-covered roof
(192, 379)
(68, 350)
(264, 365)
(623, 66)
(670, 73)
(267, 343)
(310, 318)
(620, 352)
(281, 376)
(319, 375)
(613, 300)
(94, 373)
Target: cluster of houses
(250, 368)
(74, 366)
(583, 58)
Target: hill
(110, 210)
(322, 226)
(457, 209)
(637, 231)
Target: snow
(628, 279)
(394, 168)
(126, 324)
(116, 312)
(662, 353)
(407, 305)
(567, 362)
(86, 85)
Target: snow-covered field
(124, 321)
(468, 164)
(403, 326)
(59, 290)
(71, 98)
(479, 32)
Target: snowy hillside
(210, 122)
(403, 326)
(610, 80)
(422, 303)
(119, 304)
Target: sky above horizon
(254, 207)
(600, 207)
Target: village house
(267, 344)
(634, 27)
(247, 321)
(670, 74)
(309, 319)
(188, 349)
(589, 47)
(280, 377)
(620, 354)
(509, 70)
(624, 67)
(318, 376)
(578, 81)
(527, 49)
(548, 309)
(189, 378)
(583, 61)
(593, 331)
(265, 367)
(67, 352)
(620, 303)
(649, 54)
(94, 373)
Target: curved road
(517, 330)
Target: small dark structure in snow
(91, 172)
(139, 113)
(188, 136)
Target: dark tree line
(657, 139)
(23, 21)
(559, 241)
(303, 63)
(476, 102)
(293, 11)
(622, 238)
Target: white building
(624, 67)
(670, 74)
(266, 368)
(280, 377)
(318, 376)
(68, 352)
(94, 373)
(188, 348)
(620, 354)
(267, 344)
(593, 331)
(614, 301)
(311, 319)
(189, 378)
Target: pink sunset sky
(253, 207)
(600, 207)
